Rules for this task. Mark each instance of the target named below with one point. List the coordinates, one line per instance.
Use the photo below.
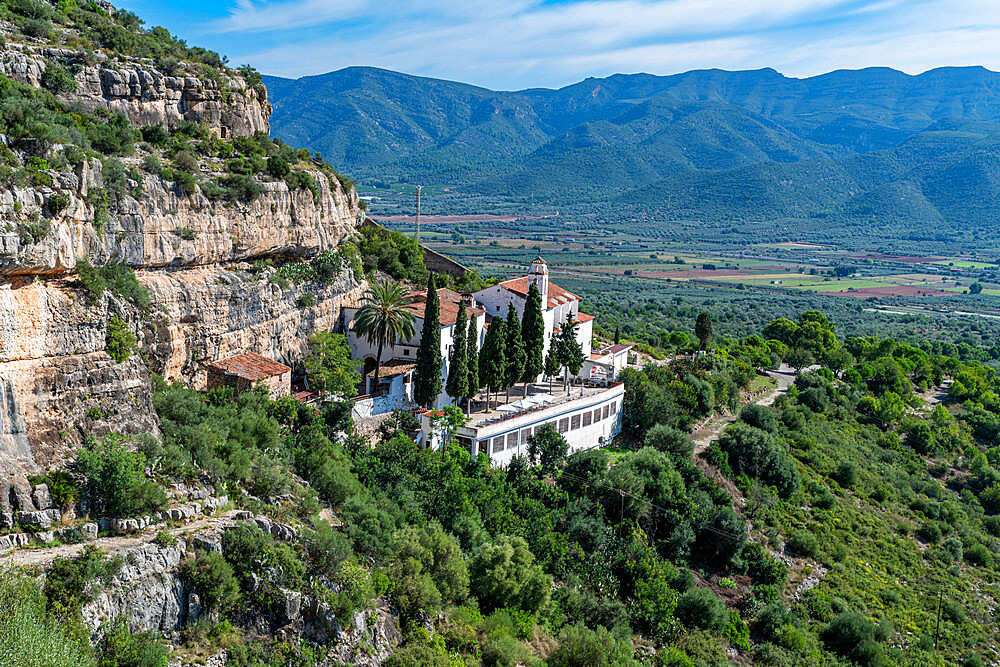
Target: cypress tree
(458, 367)
(427, 377)
(703, 330)
(552, 364)
(618, 335)
(472, 384)
(493, 359)
(569, 352)
(516, 356)
(533, 334)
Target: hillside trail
(710, 430)
(34, 556)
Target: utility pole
(417, 235)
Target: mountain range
(853, 145)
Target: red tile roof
(250, 366)
(450, 300)
(394, 368)
(618, 347)
(557, 295)
(583, 317)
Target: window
(614, 409)
(597, 415)
(512, 440)
(564, 425)
(482, 446)
(498, 444)
(406, 352)
(525, 434)
(587, 417)
(574, 423)
(553, 425)
(605, 412)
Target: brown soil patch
(457, 219)
(890, 290)
(798, 244)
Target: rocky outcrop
(169, 229)
(211, 313)
(146, 96)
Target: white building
(557, 304)
(589, 417)
(396, 378)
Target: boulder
(42, 497)
(39, 519)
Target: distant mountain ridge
(878, 134)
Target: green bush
(115, 483)
(277, 167)
(119, 340)
(30, 634)
(73, 582)
(38, 28)
(306, 300)
(804, 543)
(666, 438)
(212, 577)
(703, 609)
(57, 79)
(856, 638)
(121, 647)
(303, 180)
(118, 278)
(57, 203)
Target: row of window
(564, 425)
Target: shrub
(238, 187)
(212, 577)
(303, 180)
(306, 300)
(277, 167)
(57, 79)
(759, 416)
(123, 648)
(38, 28)
(580, 646)
(69, 583)
(856, 638)
(978, 554)
(846, 474)
(119, 339)
(756, 453)
(666, 438)
(503, 573)
(186, 233)
(26, 629)
(115, 483)
(155, 134)
(701, 608)
(929, 532)
(118, 278)
(164, 539)
(804, 543)
(327, 265)
(57, 203)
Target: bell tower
(538, 274)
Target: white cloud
(527, 42)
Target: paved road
(709, 432)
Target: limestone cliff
(57, 383)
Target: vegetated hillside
(708, 145)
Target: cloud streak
(531, 42)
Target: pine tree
(427, 377)
(533, 334)
(552, 364)
(458, 367)
(569, 352)
(516, 356)
(493, 359)
(472, 384)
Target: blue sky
(509, 44)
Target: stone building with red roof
(243, 371)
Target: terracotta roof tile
(250, 366)
(394, 368)
(557, 295)
(450, 300)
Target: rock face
(57, 383)
(146, 96)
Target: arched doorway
(367, 370)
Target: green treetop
(703, 330)
(533, 335)
(552, 364)
(329, 365)
(516, 355)
(458, 366)
(427, 377)
(569, 352)
(493, 359)
(383, 318)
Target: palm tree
(383, 318)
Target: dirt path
(710, 430)
(44, 555)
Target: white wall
(579, 439)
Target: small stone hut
(243, 371)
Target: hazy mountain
(707, 143)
